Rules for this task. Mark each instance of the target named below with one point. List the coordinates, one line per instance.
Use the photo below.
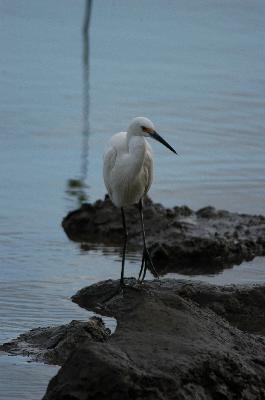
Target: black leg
(124, 247)
(142, 265)
(146, 259)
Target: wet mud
(174, 340)
(53, 345)
(179, 239)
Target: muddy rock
(54, 344)
(243, 306)
(180, 239)
(173, 341)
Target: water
(195, 68)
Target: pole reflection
(78, 188)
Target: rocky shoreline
(54, 344)
(169, 344)
(175, 339)
(180, 239)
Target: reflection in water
(133, 254)
(77, 187)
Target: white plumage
(128, 168)
(128, 171)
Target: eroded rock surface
(54, 344)
(169, 344)
(180, 240)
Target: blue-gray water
(196, 68)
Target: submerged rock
(170, 343)
(180, 240)
(54, 344)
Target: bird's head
(141, 126)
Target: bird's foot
(127, 286)
(146, 262)
(120, 290)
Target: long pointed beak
(157, 137)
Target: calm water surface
(195, 68)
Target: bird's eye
(147, 130)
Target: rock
(54, 344)
(243, 306)
(180, 240)
(169, 344)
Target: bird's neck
(136, 150)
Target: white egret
(128, 175)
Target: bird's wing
(108, 165)
(148, 168)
